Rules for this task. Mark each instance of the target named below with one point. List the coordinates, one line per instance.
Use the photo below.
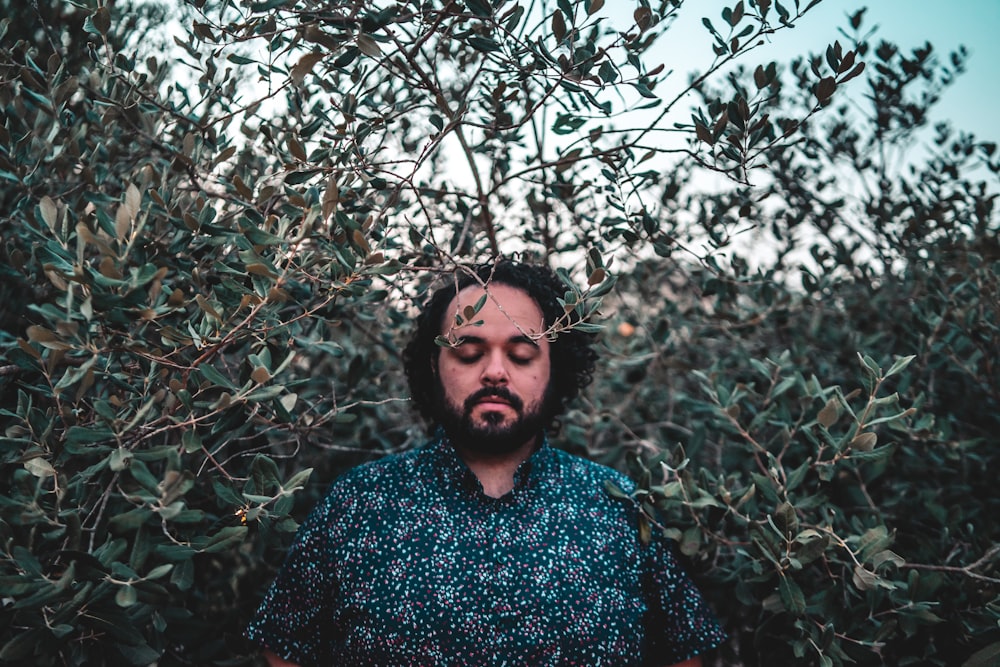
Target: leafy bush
(209, 266)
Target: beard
(492, 434)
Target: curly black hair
(572, 355)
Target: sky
(970, 104)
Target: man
(487, 546)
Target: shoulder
(586, 479)
(594, 499)
(578, 470)
(361, 500)
(387, 468)
(370, 485)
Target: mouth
(492, 403)
(493, 400)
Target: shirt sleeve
(294, 618)
(679, 622)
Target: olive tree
(212, 251)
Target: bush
(209, 266)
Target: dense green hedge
(211, 257)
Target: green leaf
(209, 373)
(369, 46)
(766, 486)
(830, 413)
(786, 518)
(140, 473)
(870, 366)
(872, 541)
(299, 71)
(792, 596)
(160, 571)
(119, 459)
(484, 44)
(349, 55)
(21, 645)
(191, 441)
(263, 475)
(604, 288)
(864, 442)
(891, 418)
(225, 494)
(240, 60)
(183, 574)
(226, 538)
(558, 25)
(266, 393)
(298, 480)
(900, 364)
(176, 553)
(691, 541)
(100, 20)
(39, 467)
(985, 657)
(887, 556)
(614, 491)
(50, 212)
(480, 7)
(126, 596)
(809, 545)
(513, 18)
(645, 530)
(644, 90)
(567, 123)
(643, 17)
(139, 655)
(864, 580)
(264, 7)
(607, 72)
(130, 520)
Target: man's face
(494, 381)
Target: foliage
(841, 491)
(209, 266)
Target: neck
(495, 471)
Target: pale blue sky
(970, 104)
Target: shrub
(208, 268)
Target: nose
(495, 369)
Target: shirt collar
(454, 473)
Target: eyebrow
(513, 340)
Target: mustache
(494, 392)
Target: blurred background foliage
(219, 218)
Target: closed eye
(523, 353)
(467, 351)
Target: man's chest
(468, 583)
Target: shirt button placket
(503, 600)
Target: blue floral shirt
(408, 562)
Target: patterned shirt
(408, 562)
